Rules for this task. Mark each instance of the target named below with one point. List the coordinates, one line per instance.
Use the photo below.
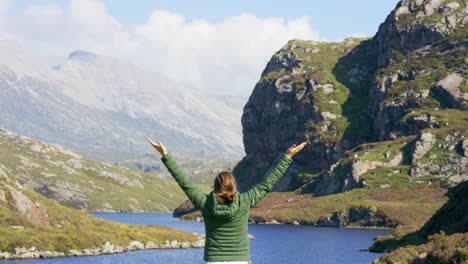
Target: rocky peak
(82, 55)
(413, 24)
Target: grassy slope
(443, 239)
(68, 228)
(83, 183)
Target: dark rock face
(183, 209)
(297, 100)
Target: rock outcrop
(413, 24)
(309, 91)
(420, 48)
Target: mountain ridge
(69, 101)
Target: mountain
(104, 108)
(410, 76)
(81, 183)
(32, 226)
(385, 119)
(443, 239)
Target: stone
(464, 146)
(338, 219)
(107, 248)
(2, 196)
(19, 250)
(135, 245)
(4, 255)
(361, 166)
(296, 222)
(328, 115)
(449, 8)
(423, 145)
(185, 245)
(450, 90)
(198, 244)
(175, 244)
(74, 252)
(48, 254)
(151, 244)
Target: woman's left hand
(158, 146)
(293, 150)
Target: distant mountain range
(105, 108)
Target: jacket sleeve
(193, 192)
(255, 194)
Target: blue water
(285, 244)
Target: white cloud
(225, 57)
(5, 6)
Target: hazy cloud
(5, 6)
(225, 57)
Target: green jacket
(226, 223)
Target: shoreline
(296, 223)
(106, 249)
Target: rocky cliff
(312, 92)
(410, 76)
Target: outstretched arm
(194, 193)
(259, 191)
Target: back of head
(225, 187)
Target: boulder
(449, 88)
(449, 8)
(134, 245)
(425, 142)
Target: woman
(226, 211)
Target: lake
(285, 244)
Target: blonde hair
(225, 187)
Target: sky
(217, 46)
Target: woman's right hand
(158, 146)
(293, 150)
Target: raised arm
(259, 191)
(193, 192)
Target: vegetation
(66, 228)
(338, 69)
(423, 69)
(443, 239)
(392, 193)
(82, 183)
(410, 206)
